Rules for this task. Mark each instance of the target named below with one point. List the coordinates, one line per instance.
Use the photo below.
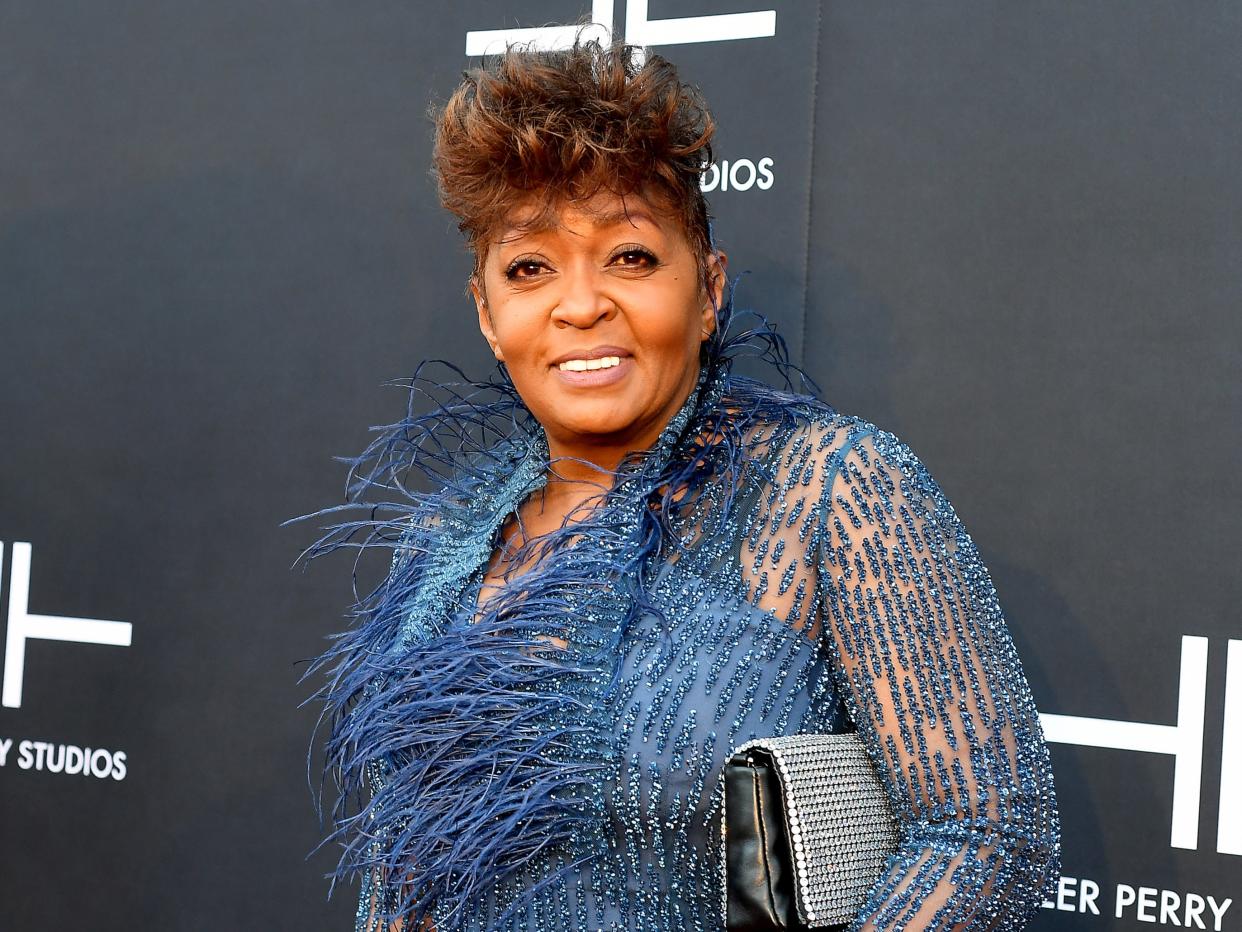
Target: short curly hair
(545, 128)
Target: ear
(485, 317)
(717, 282)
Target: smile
(582, 365)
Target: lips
(589, 365)
(595, 352)
(594, 378)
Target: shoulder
(801, 440)
(807, 427)
(463, 506)
(853, 473)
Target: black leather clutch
(807, 829)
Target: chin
(604, 430)
(604, 424)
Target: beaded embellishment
(770, 566)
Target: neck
(591, 463)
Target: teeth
(582, 365)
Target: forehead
(601, 212)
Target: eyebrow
(599, 220)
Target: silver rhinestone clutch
(838, 831)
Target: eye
(524, 267)
(634, 257)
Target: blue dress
(769, 567)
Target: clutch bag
(807, 829)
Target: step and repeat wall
(1008, 233)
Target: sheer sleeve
(928, 672)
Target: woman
(632, 560)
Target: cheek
(515, 333)
(677, 333)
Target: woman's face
(599, 320)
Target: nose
(582, 300)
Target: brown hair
(551, 127)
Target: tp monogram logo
(24, 626)
(639, 29)
(1183, 741)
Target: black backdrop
(1007, 232)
